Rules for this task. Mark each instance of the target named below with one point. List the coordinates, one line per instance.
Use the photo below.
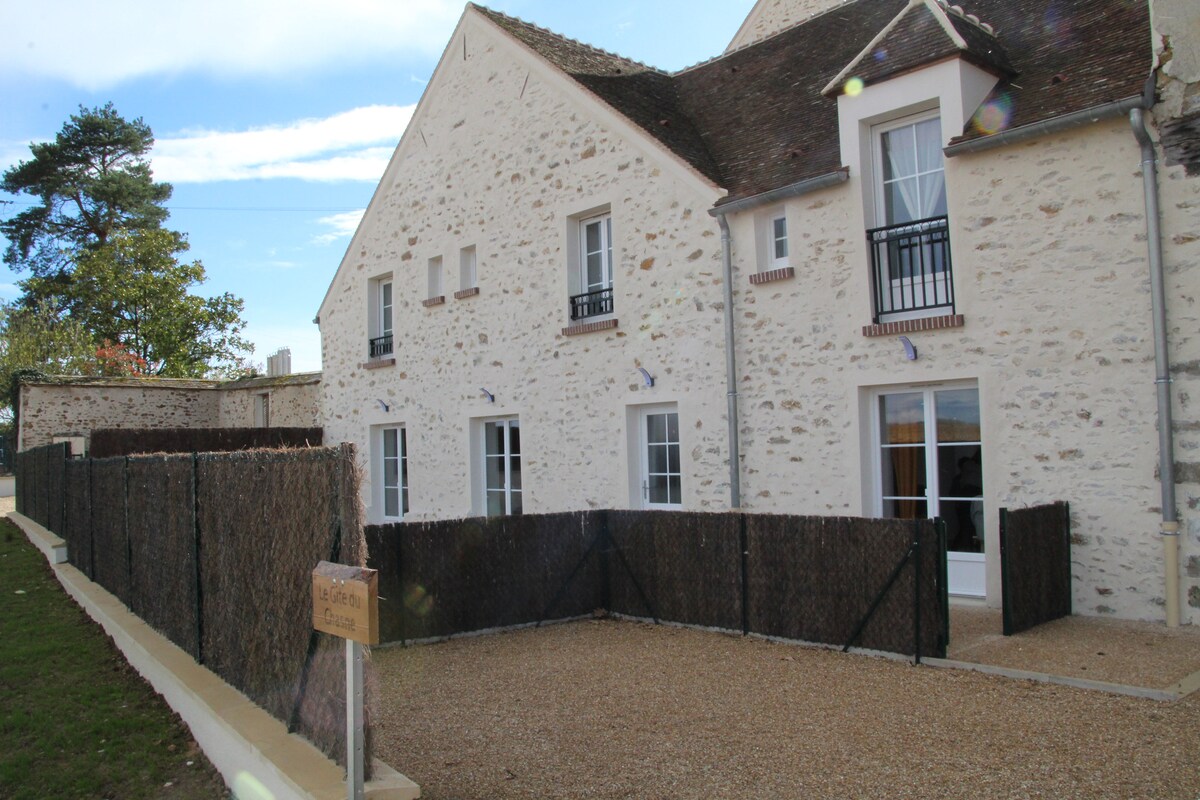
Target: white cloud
(352, 146)
(98, 45)
(341, 226)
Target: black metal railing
(380, 346)
(592, 304)
(910, 267)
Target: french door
(930, 464)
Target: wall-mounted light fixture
(910, 351)
(386, 408)
(646, 376)
(491, 397)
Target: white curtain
(916, 185)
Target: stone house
(57, 408)
(892, 256)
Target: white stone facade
(1050, 271)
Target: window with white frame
(910, 247)
(392, 469)
(381, 309)
(779, 241)
(771, 239)
(659, 456)
(592, 285)
(467, 268)
(502, 467)
(435, 277)
(262, 410)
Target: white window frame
(468, 268)
(386, 322)
(965, 568)
(513, 497)
(877, 134)
(644, 445)
(262, 410)
(604, 223)
(776, 260)
(401, 487)
(436, 278)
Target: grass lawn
(76, 721)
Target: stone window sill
(914, 325)
(781, 274)
(379, 363)
(589, 327)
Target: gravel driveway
(610, 709)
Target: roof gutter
(1169, 527)
(805, 186)
(1117, 108)
(721, 212)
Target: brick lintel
(914, 325)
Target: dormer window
(910, 250)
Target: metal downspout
(1169, 529)
(735, 467)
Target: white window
(435, 277)
(779, 241)
(662, 478)
(393, 472)
(929, 463)
(467, 274)
(502, 467)
(262, 411)
(911, 245)
(596, 240)
(381, 310)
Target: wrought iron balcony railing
(379, 346)
(592, 304)
(910, 267)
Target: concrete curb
(1170, 694)
(252, 750)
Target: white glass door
(662, 478)
(930, 455)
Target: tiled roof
(754, 119)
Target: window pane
(960, 471)
(391, 473)
(515, 500)
(902, 202)
(595, 272)
(899, 156)
(673, 459)
(779, 231)
(404, 499)
(903, 472)
(514, 437)
(657, 459)
(495, 504)
(391, 502)
(903, 417)
(672, 427)
(656, 428)
(928, 136)
(964, 525)
(905, 509)
(674, 489)
(933, 195)
(592, 237)
(659, 491)
(493, 435)
(493, 467)
(514, 472)
(389, 443)
(958, 415)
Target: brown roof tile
(754, 119)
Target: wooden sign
(346, 602)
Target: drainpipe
(1169, 528)
(735, 467)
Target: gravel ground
(1099, 649)
(608, 709)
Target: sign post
(346, 604)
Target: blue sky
(275, 118)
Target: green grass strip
(76, 721)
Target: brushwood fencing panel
(437, 579)
(833, 581)
(216, 552)
(1035, 565)
(109, 442)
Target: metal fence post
(916, 551)
(745, 555)
(196, 551)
